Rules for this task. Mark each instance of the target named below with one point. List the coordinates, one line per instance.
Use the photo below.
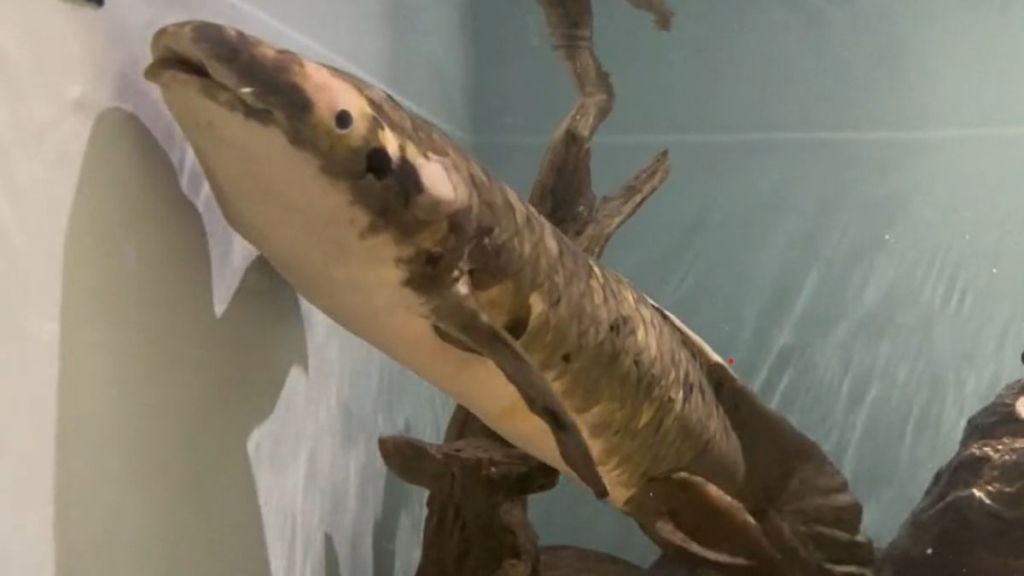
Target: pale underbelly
(361, 289)
(304, 223)
(398, 328)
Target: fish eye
(378, 163)
(343, 120)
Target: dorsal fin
(697, 344)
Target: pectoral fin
(693, 514)
(460, 316)
(454, 341)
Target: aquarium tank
(532, 287)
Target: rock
(971, 518)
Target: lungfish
(390, 229)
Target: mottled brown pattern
(663, 15)
(380, 173)
(649, 396)
(638, 392)
(457, 312)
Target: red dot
(731, 361)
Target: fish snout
(259, 74)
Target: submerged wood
(477, 521)
(659, 9)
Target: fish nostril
(379, 163)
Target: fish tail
(802, 502)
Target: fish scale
(616, 380)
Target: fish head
(302, 156)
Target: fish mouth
(191, 54)
(174, 55)
(171, 63)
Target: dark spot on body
(616, 326)
(717, 377)
(343, 120)
(420, 277)
(408, 180)
(492, 261)
(378, 163)
(432, 259)
(566, 358)
(517, 326)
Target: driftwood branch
(562, 190)
(613, 211)
(659, 9)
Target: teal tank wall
(843, 217)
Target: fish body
(385, 225)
